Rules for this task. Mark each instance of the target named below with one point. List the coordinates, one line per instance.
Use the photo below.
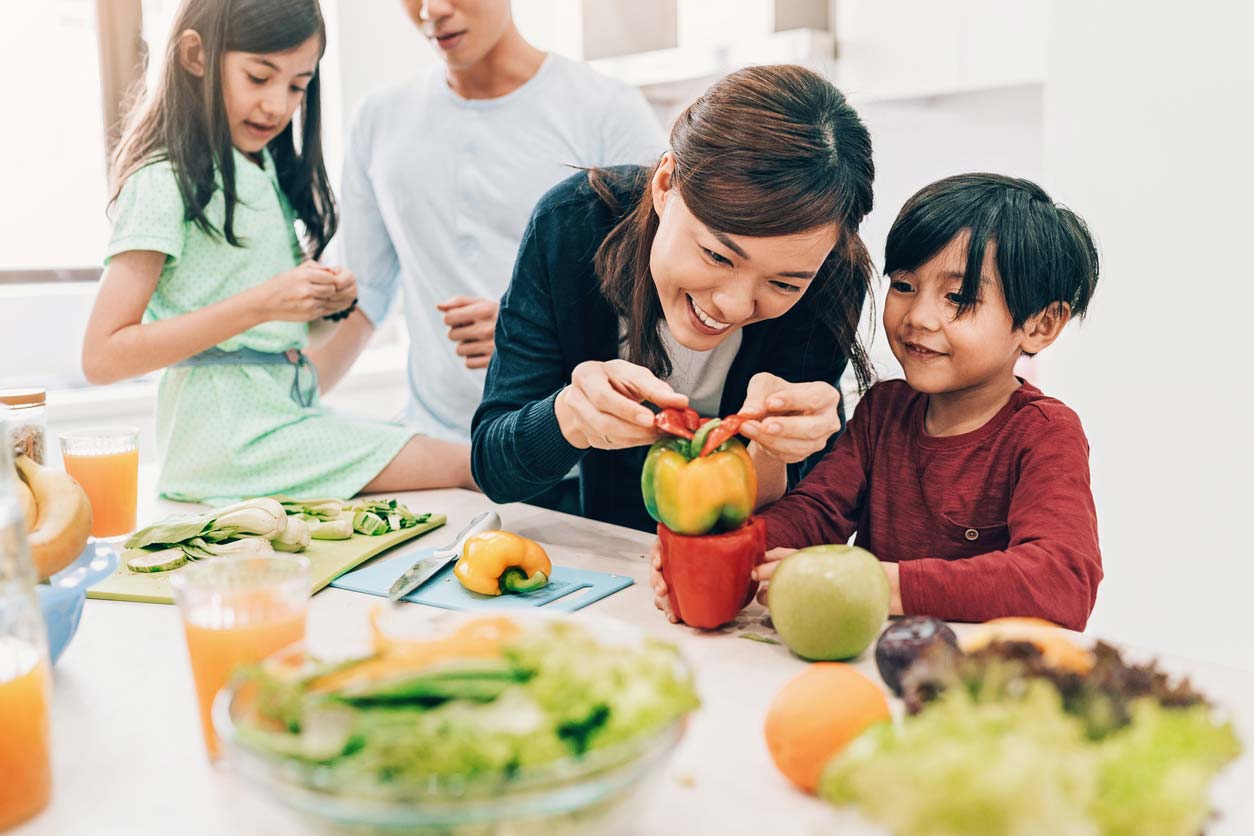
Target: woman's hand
(660, 593)
(795, 419)
(306, 293)
(602, 407)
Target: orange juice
(25, 770)
(225, 641)
(110, 480)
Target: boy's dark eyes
(902, 287)
(960, 300)
(715, 257)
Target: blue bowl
(61, 599)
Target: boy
(969, 484)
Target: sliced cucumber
(162, 561)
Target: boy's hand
(794, 419)
(471, 325)
(763, 571)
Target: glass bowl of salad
(520, 724)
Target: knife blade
(432, 560)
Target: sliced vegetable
(340, 529)
(262, 517)
(159, 561)
(371, 524)
(294, 537)
(322, 509)
(200, 549)
(379, 516)
(490, 699)
(716, 436)
(680, 422)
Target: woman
(729, 277)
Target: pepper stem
(516, 580)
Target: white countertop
(128, 756)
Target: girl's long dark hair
(766, 151)
(184, 119)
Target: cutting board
(568, 590)
(327, 559)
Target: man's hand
(471, 324)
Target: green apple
(829, 602)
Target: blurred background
(1137, 115)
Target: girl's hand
(306, 293)
(763, 571)
(660, 595)
(602, 406)
(796, 419)
(345, 288)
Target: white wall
(918, 141)
(1148, 135)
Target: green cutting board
(328, 560)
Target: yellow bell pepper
(497, 561)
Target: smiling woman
(729, 277)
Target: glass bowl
(584, 794)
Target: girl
(728, 277)
(205, 274)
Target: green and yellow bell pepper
(498, 561)
(694, 487)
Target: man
(440, 178)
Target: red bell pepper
(708, 577)
(680, 422)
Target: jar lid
(23, 397)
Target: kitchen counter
(128, 756)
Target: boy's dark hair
(1044, 253)
(184, 120)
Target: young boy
(969, 484)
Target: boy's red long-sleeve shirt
(995, 522)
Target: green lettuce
(555, 693)
(1021, 766)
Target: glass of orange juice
(237, 611)
(25, 765)
(106, 463)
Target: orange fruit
(816, 715)
(1055, 645)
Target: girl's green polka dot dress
(226, 431)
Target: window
(53, 150)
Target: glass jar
(26, 413)
(25, 759)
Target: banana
(26, 500)
(63, 522)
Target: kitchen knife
(433, 560)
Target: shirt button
(972, 534)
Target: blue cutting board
(568, 590)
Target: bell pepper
(709, 578)
(680, 422)
(493, 562)
(700, 485)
